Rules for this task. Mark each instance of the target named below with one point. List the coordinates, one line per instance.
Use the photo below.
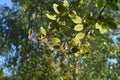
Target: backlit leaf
(54, 40)
(62, 9)
(51, 16)
(72, 14)
(30, 31)
(78, 27)
(51, 47)
(77, 19)
(86, 44)
(56, 46)
(44, 40)
(101, 28)
(97, 26)
(65, 3)
(80, 36)
(55, 6)
(92, 35)
(75, 42)
(43, 31)
(77, 54)
(61, 21)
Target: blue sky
(6, 2)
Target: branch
(87, 32)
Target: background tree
(65, 40)
(1, 74)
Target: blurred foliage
(2, 76)
(61, 39)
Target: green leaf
(77, 19)
(83, 53)
(43, 31)
(55, 40)
(55, 6)
(78, 27)
(72, 14)
(97, 26)
(56, 46)
(65, 3)
(99, 4)
(77, 54)
(92, 35)
(113, 6)
(108, 20)
(61, 21)
(75, 42)
(101, 28)
(80, 36)
(51, 16)
(62, 9)
(86, 44)
(112, 25)
(44, 40)
(51, 47)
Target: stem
(87, 32)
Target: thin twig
(87, 33)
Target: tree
(61, 40)
(1, 74)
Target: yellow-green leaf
(97, 26)
(75, 42)
(77, 19)
(56, 46)
(65, 3)
(78, 27)
(55, 6)
(62, 10)
(83, 53)
(55, 40)
(77, 54)
(80, 36)
(51, 16)
(72, 14)
(102, 30)
(51, 47)
(61, 21)
(44, 40)
(43, 31)
(86, 44)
